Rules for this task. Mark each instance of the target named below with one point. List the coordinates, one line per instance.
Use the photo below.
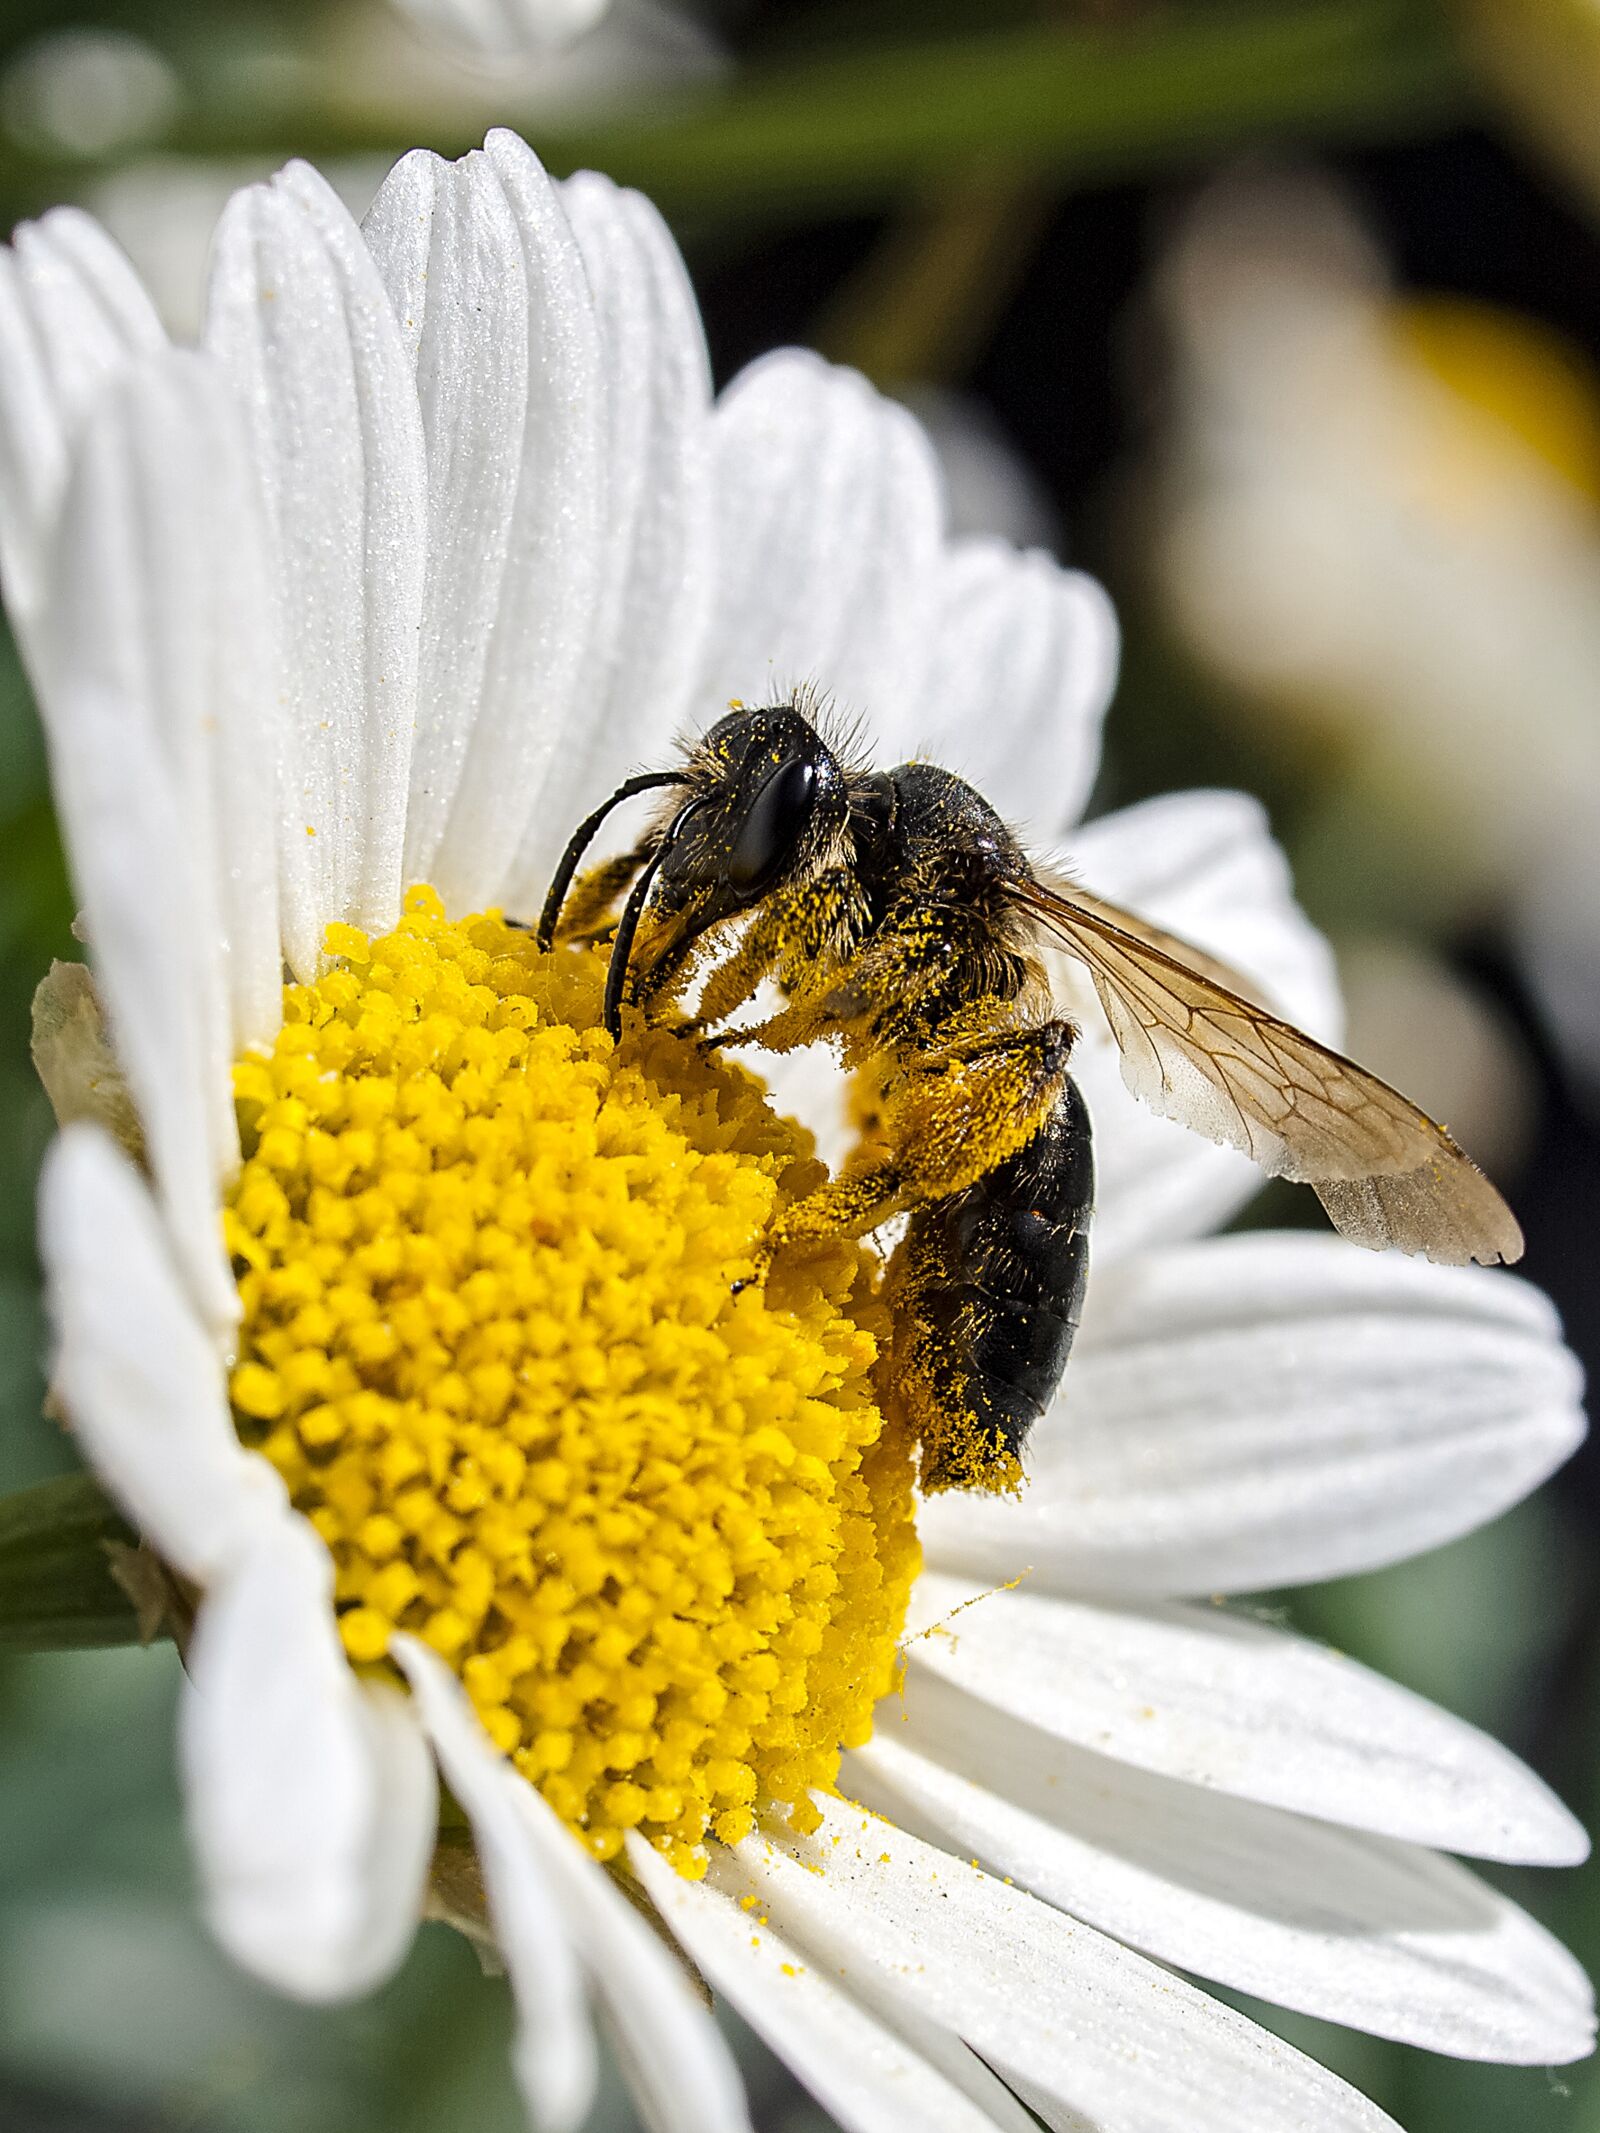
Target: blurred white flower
(163, 210)
(470, 62)
(1380, 521)
(438, 532)
(500, 29)
(89, 93)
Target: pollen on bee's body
(491, 1339)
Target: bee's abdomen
(991, 1286)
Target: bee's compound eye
(774, 821)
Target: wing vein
(1196, 1047)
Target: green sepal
(58, 1589)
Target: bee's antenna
(632, 912)
(583, 836)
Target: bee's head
(760, 802)
(766, 802)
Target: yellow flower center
(501, 1340)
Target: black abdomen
(991, 1286)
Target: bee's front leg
(590, 909)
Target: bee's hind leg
(986, 1290)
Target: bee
(902, 921)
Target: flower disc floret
(504, 1339)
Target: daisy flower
(411, 1321)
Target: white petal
(553, 1908)
(1267, 1410)
(154, 682)
(1022, 666)
(138, 1376)
(1204, 865)
(654, 596)
(405, 1827)
(554, 2053)
(828, 526)
(192, 637)
(1224, 1701)
(313, 1809)
(672, 2054)
(489, 286)
(1124, 2046)
(873, 2070)
(72, 316)
(297, 314)
(1381, 1936)
(445, 242)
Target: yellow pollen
(491, 1340)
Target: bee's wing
(1196, 1048)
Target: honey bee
(902, 921)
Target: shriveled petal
(1224, 1701)
(653, 600)
(872, 2069)
(1022, 666)
(311, 1800)
(554, 2053)
(1203, 865)
(299, 318)
(828, 526)
(156, 684)
(1361, 1930)
(489, 286)
(73, 314)
(1266, 1410)
(1104, 2034)
(135, 1369)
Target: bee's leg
(799, 1023)
(989, 1149)
(957, 1117)
(847, 1206)
(867, 1109)
(732, 982)
(589, 911)
(986, 1291)
(799, 937)
(760, 952)
(944, 1127)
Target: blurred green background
(1281, 320)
